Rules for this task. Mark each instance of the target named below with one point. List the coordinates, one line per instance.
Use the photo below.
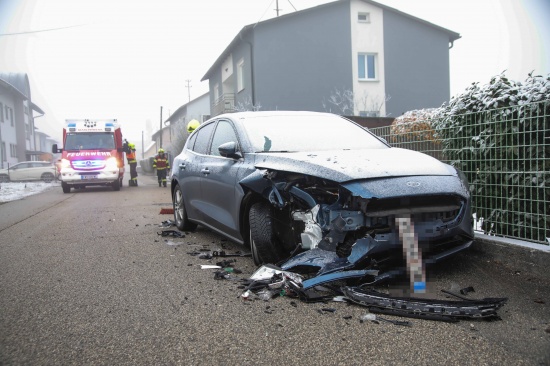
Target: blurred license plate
(88, 177)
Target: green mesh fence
(505, 153)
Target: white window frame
(240, 75)
(216, 92)
(366, 16)
(366, 56)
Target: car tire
(116, 185)
(180, 214)
(262, 237)
(66, 188)
(47, 177)
(4, 178)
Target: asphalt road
(86, 279)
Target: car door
(19, 171)
(187, 169)
(221, 192)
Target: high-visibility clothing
(161, 163)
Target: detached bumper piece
(431, 309)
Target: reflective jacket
(131, 156)
(161, 162)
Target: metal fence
(505, 153)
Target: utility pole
(142, 147)
(160, 127)
(277, 7)
(188, 86)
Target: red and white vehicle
(92, 154)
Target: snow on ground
(11, 191)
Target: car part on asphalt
(174, 233)
(433, 309)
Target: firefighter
(192, 125)
(131, 157)
(162, 165)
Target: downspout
(251, 70)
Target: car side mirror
(55, 150)
(229, 150)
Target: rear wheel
(263, 242)
(66, 188)
(47, 177)
(180, 214)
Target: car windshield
(290, 133)
(90, 141)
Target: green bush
(499, 135)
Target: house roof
(18, 83)
(453, 36)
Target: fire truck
(92, 154)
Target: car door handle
(182, 166)
(205, 171)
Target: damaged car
(317, 193)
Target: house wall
(301, 60)
(243, 51)
(369, 95)
(8, 132)
(416, 61)
(198, 108)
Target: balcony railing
(224, 104)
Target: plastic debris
(209, 266)
(367, 316)
(174, 233)
(166, 223)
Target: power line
(41, 30)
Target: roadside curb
(521, 256)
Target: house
(173, 134)
(350, 57)
(17, 129)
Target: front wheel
(66, 188)
(180, 214)
(4, 178)
(263, 242)
(116, 185)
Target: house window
(7, 109)
(13, 151)
(4, 157)
(367, 66)
(363, 17)
(369, 114)
(240, 78)
(11, 116)
(1, 114)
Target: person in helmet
(130, 150)
(162, 165)
(192, 125)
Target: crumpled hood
(346, 165)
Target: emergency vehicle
(92, 154)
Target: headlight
(65, 163)
(111, 163)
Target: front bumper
(74, 177)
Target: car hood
(347, 165)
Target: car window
(191, 142)
(224, 133)
(203, 138)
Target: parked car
(287, 182)
(29, 170)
